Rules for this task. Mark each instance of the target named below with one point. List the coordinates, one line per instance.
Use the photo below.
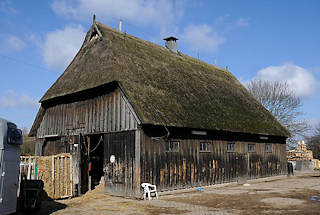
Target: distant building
(302, 158)
(300, 153)
(133, 112)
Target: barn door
(242, 167)
(119, 163)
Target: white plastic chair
(149, 190)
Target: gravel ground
(274, 195)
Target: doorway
(96, 152)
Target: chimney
(171, 44)
(120, 25)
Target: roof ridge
(117, 32)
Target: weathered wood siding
(189, 167)
(120, 175)
(107, 113)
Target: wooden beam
(137, 169)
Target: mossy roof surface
(163, 87)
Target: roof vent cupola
(171, 44)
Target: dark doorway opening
(96, 153)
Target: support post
(89, 176)
(137, 172)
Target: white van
(10, 141)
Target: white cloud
(155, 12)
(315, 69)
(61, 46)
(300, 80)
(35, 39)
(6, 7)
(12, 44)
(242, 22)
(202, 38)
(10, 99)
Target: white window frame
(172, 146)
(206, 148)
(232, 149)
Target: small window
(251, 148)
(230, 147)
(267, 147)
(205, 147)
(172, 146)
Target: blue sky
(272, 40)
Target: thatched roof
(163, 87)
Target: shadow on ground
(48, 207)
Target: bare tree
(27, 147)
(313, 142)
(282, 103)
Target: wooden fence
(55, 171)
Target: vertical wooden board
(62, 122)
(49, 121)
(46, 126)
(158, 163)
(126, 117)
(118, 110)
(167, 181)
(219, 163)
(132, 120)
(105, 113)
(122, 115)
(96, 115)
(114, 112)
(89, 111)
(179, 170)
(194, 161)
(137, 162)
(60, 119)
(100, 114)
(142, 157)
(209, 163)
(190, 145)
(147, 162)
(154, 160)
(172, 156)
(126, 171)
(86, 117)
(109, 114)
(186, 162)
(92, 113)
(54, 119)
(227, 156)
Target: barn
(134, 111)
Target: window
(172, 146)
(267, 147)
(230, 147)
(251, 148)
(14, 135)
(205, 147)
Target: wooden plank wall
(119, 176)
(106, 113)
(191, 168)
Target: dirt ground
(275, 195)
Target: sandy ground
(275, 195)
